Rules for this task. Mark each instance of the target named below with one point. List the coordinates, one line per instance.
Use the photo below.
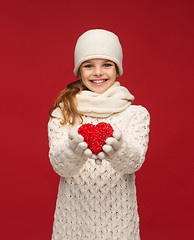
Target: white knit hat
(98, 43)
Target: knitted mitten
(112, 144)
(77, 144)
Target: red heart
(95, 136)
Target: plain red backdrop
(37, 44)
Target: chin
(101, 89)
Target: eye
(107, 64)
(88, 66)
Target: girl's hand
(77, 144)
(112, 144)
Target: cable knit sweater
(98, 200)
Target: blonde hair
(67, 98)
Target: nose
(98, 71)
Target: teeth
(98, 81)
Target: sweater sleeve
(131, 155)
(63, 160)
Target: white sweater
(98, 201)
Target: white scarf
(115, 99)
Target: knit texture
(115, 99)
(98, 43)
(98, 201)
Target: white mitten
(77, 144)
(112, 144)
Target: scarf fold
(115, 99)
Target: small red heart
(96, 135)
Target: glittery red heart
(96, 135)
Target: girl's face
(98, 74)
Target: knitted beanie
(98, 43)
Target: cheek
(84, 79)
(83, 74)
(114, 75)
(84, 82)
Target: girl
(97, 193)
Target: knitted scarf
(113, 100)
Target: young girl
(97, 193)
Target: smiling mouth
(98, 80)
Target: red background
(37, 44)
